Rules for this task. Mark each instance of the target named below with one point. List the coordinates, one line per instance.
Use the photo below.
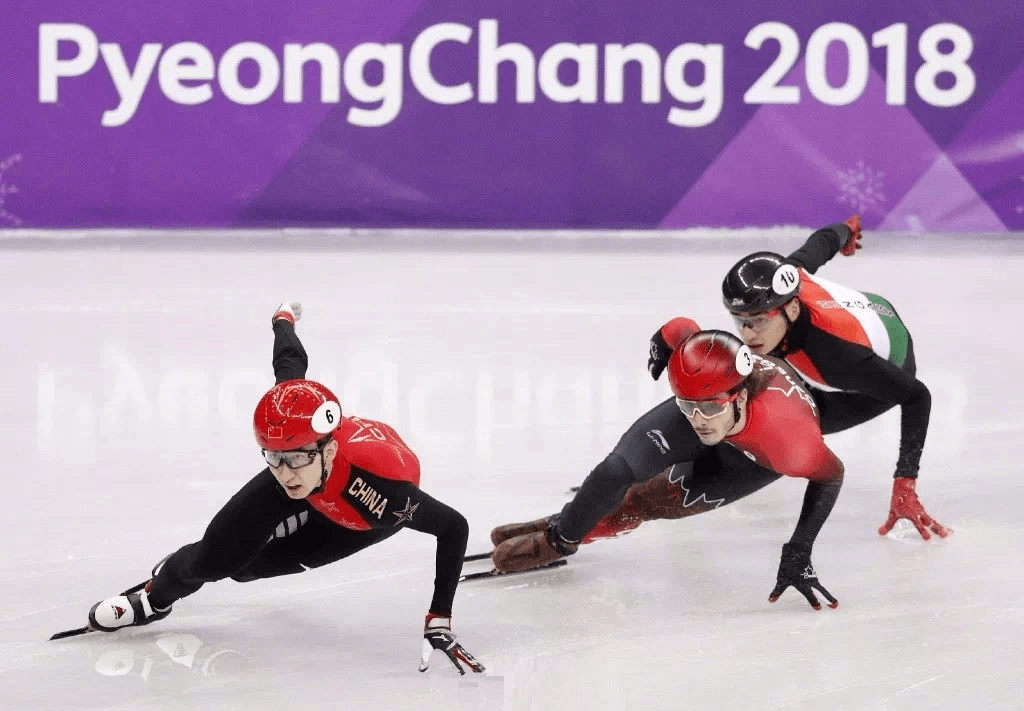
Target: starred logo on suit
(406, 513)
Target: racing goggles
(292, 458)
(707, 408)
(758, 323)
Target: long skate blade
(495, 574)
(73, 633)
(477, 556)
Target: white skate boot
(128, 609)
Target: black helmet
(759, 282)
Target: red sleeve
(376, 447)
(783, 432)
(678, 330)
(805, 453)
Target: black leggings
(661, 439)
(259, 533)
(842, 410)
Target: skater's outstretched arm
(290, 359)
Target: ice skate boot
(500, 534)
(531, 550)
(129, 609)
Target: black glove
(659, 355)
(795, 569)
(437, 634)
(668, 338)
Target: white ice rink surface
(129, 377)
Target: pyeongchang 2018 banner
(525, 114)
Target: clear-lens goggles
(707, 408)
(293, 458)
(756, 322)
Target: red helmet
(295, 413)
(708, 364)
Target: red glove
(852, 244)
(905, 504)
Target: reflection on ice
(127, 380)
(169, 654)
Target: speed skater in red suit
(736, 423)
(333, 485)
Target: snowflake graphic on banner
(862, 187)
(6, 190)
(1020, 149)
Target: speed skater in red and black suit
(851, 349)
(333, 485)
(736, 423)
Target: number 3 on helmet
(708, 365)
(295, 413)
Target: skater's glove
(852, 244)
(437, 634)
(795, 569)
(905, 504)
(665, 340)
(289, 311)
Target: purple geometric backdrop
(538, 163)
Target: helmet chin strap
(735, 418)
(735, 413)
(789, 325)
(323, 475)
